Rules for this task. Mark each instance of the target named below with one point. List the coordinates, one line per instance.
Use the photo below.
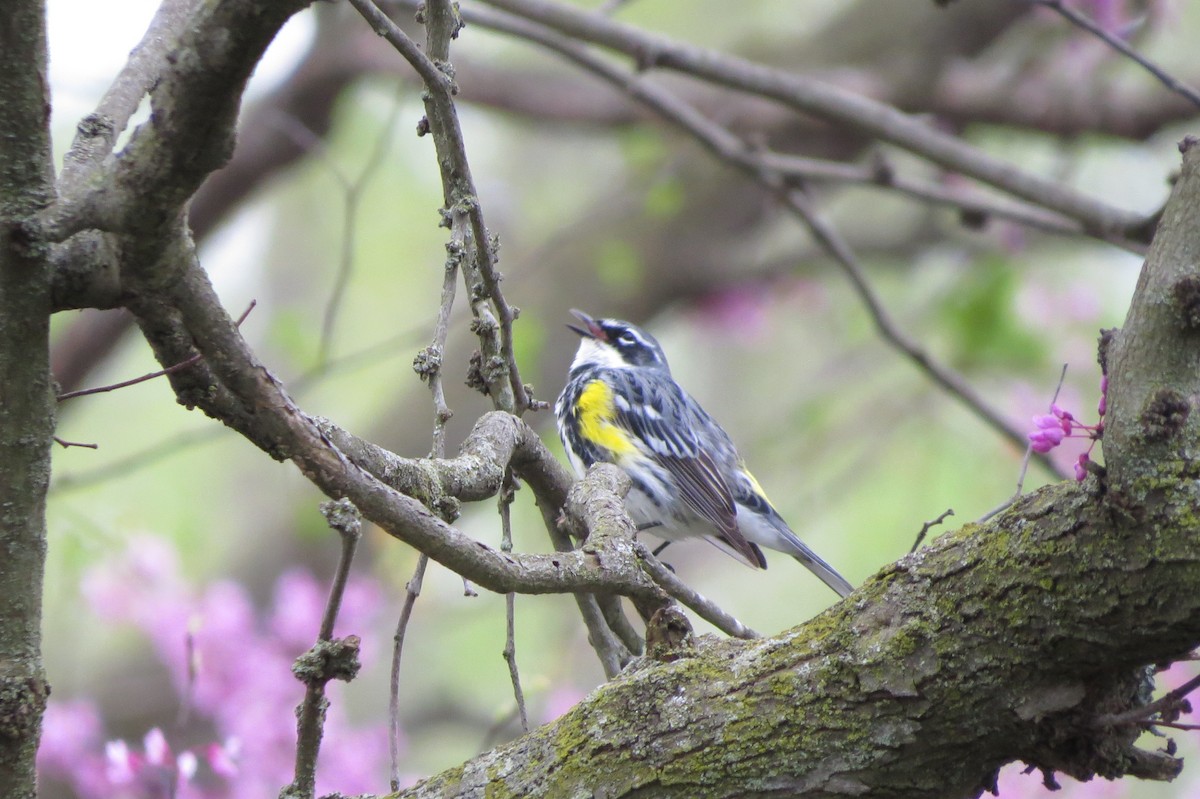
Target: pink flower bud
(1081, 467)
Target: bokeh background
(186, 569)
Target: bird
(621, 405)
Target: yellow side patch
(596, 415)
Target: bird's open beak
(590, 329)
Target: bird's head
(616, 344)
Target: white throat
(593, 353)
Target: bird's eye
(627, 338)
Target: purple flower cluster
(233, 666)
(1054, 427)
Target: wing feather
(660, 416)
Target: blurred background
(186, 569)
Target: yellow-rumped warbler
(622, 406)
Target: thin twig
(926, 527)
(192, 657)
(612, 652)
(428, 366)
(353, 191)
(1168, 701)
(83, 392)
(62, 442)
(951, 381)
(499, 370)
(618, 622)
(1085, 22)
(614, 641)
(328, 659)
(970, 203)
(704, 607)
(177, 444)
(412, 591)
(510, 645)
(150, 376)
(346, 520)
(1025, 459)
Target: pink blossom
(233, 663)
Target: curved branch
(190, 132)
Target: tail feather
(829, 575)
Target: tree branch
(921, 685)
(190, 132)
(1015, 639)
(829, 102)
(727, 148)
(1088, 24)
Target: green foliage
(980, 323)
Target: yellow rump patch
(758, 489)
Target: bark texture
(1024, 638)
(26, 398)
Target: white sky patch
(90, 43)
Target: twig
(1025, 459)
(926, 527)
(1169, 701)
(951, 381)
(510, 644)
(608, 639)
(352, 197)
(731, 150)
(412, 591)
(810, 96)
(1171, 725)
(83, 392)
(499, 370)
(329, 659)
(969, 203)
(691, 598)
(618, 622)
(193, 671)
(150, 376)
(1085, 22)
(182, 442)
(612, 652)
(62, 442)
(347, 521)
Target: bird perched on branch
(622, 406)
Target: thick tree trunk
(26, 397)
(1017, 639)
